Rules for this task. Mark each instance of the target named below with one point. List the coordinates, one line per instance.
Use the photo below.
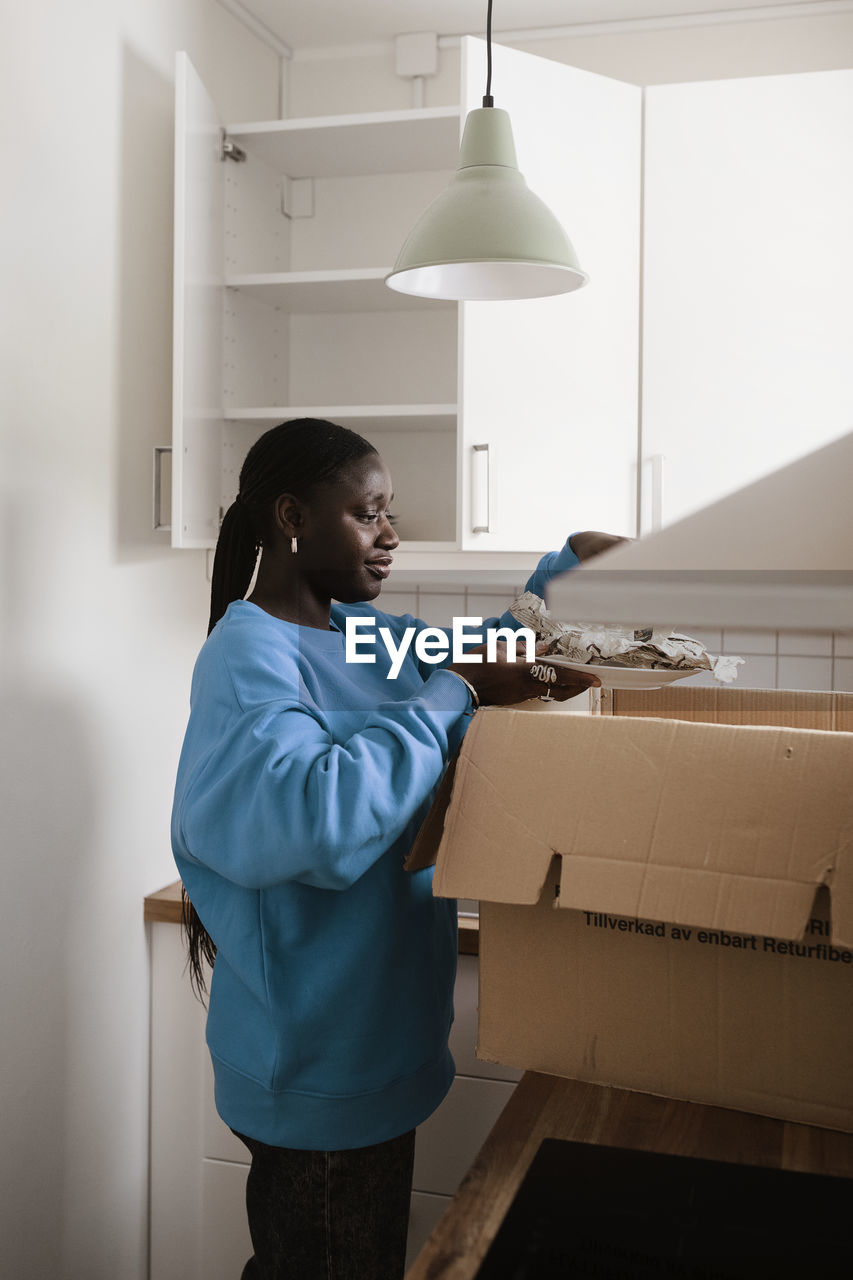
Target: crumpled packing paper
(647, 648)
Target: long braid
(234, 560)
(293, 457)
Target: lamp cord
(488, 100)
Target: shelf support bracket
(229, 150)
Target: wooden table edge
(544, 1106)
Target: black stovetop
(587, 1212)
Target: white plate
(620, 677)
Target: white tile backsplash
(817, 661)
(804, 673)
(758, 672)
(712, 640)
(398, 602)
(749, 642)
(479, 605)
(439, 609)
(806, 644)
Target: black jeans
(329, 1215)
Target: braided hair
(294, 457)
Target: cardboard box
(666, 894)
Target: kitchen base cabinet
(177, 1078)
(224, 1245)
(448, 1141)
(198, 1168)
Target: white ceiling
(320, 23)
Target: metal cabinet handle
(159, 450)
(653, 505)
(477, 489)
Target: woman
(302, 782)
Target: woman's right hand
(504, 681)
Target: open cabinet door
(748, 323)
(197, 422)
(550, 385)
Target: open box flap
(696, 824)
(495, 810)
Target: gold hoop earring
(293, 546)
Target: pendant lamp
(487, 236)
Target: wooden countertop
(549, 1107)
(164, 907)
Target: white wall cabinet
(748, 279)
(505, 425)
(484, 412)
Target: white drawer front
(450, 1139)
(219, 1141)
(425, 1213)
(225, 1243)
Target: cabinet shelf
(343, 146)
(360, 417)
(330, 292)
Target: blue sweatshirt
(301, 786)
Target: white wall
(101, 620)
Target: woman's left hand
(591, 543)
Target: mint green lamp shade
(487, 236)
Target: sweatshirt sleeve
(276, 798)
(550, 566)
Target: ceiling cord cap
(487, 236)
(487, 139)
